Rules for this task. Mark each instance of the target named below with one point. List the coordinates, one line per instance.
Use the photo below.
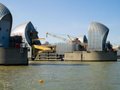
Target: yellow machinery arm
(38, 39)
(42, 48)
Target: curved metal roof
(3, 10)
(97, 36)
(24, 30)
(5, 25)
(95, 26)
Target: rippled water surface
(60, 75)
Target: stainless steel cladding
(97, 36)
(62, 48)
(28, 33)
(5, 26)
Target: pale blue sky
(70, 17)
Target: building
(9, 55)
(5, 26)
(97, 35)
(28, 33)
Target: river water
(61, 75)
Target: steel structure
(5, 26)
(97, 36)
(28, 33)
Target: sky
(66, 17)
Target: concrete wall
(73, 56)
(91, 56)
(13, 56)
(100, 56)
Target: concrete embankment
(91, 56)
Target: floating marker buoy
(41, 81)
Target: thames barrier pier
(97, 49)
(23, 43)
(11, 51)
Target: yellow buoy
(41, 81)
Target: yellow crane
(38, 39)
(41, 47)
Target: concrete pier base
(13, 56)
(91, 56)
